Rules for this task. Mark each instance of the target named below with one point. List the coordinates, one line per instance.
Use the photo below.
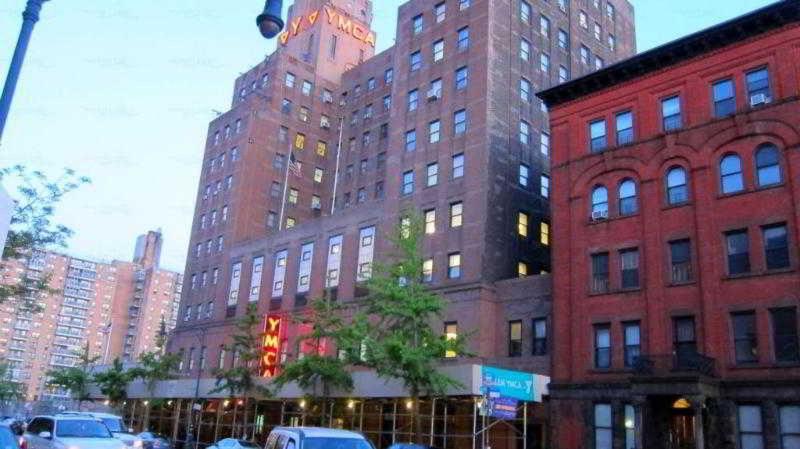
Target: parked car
(16, 424)
(116, 426)
(410, 446)
(152, 440)
(69, 431)
(315, 438)
(8, 439)
(233, 443)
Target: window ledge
(617, 291)
(591, 222)
(750, 190)
(759, 365)
(680, 284)
(753, 274)
(676, 206)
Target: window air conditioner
(599, 215)
(759, 99)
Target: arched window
(628, 203)
(677, 190)
(768, 166)
(730, 173)
(600, 202)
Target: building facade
(675, 243)
(113, 309)
(327, 143)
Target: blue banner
(509, 384)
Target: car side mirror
(45, 434)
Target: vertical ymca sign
(271, 345)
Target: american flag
(294, 165)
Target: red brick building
(676, 284)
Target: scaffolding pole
(433, 415)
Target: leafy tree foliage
(113, 382)
(9, 390)
(77, 379)
(155, 366)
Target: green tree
(399, 311)
(240, 380)
(321, 370)
(32, 225)
(10, 390)
(77, 379)
(113, 382)
(156, 366)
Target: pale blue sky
(122, 91)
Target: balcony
(76, 303)
(669, 365)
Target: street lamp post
(29, 18)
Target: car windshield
(244, 443)
(81, 428)
(114, 424)
(335, 443)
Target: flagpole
(285, 187)
(336, 170)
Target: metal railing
(673, 364)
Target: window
(388, 76)
(523, 219)
(332, 46)
(411, 140)
(751, 434)
(438, 50)
(415, 61)
(450, 334)
(671, 113)
(439, 12)
(524, 90)
(286, 106)
(290, 222)
(463, 4)
(563, 40)
(524, 132)
(544, 188)
(610, 11)
(539, 336)
(598, 62)
(631, 424)
(300, 141)
(768, 167)
(585, 55)
(597, 135)
(563, 74)
(524, 49)
(724, 98)
(456, 214)
(514, 338)
(600, 281)
(544, 64)
(599, 202)
(784, 334)
(283, 134)
(680, 261)
(789, 418)
(624, 128)
(522, 269)
(524, 175)
(460, 122)
(598, 32)
(633, 342)
(458, 165)
(583, 20)
(307, 88)
(304, 113)
(322, 148)
(434, 128)
(463, 39)
(271, 218)
(327, 96)
(758, 87)
(524, 11)
(544, 233)
(544, 26)
(408, 183)
(602, 346)
(776, 246)
(730, 170)
(379, 189)
(677, 190)
(275, 189)
(288, 80)
(744, 337)
(413, 100)
(462, 78)
(628, 202)
(430, 221)
(738, 251)
(371, 84)
(562, 5)
(362, 166)
(432, 174)
(684, 341)
(629, 266)
(603, 428)
(454, 265)
(544, 144)
(417, 24)
(612, 42)
(427, 270)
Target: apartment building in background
(675, 285)
(116, 309)
(327, 143)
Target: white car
(116, 426)
(233, 443)
(69, 431)
(315, 438)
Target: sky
(123, 91)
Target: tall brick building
(675, 243)
(115, 308)
(326, 143)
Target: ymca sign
(271, 346)
(340, 21)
